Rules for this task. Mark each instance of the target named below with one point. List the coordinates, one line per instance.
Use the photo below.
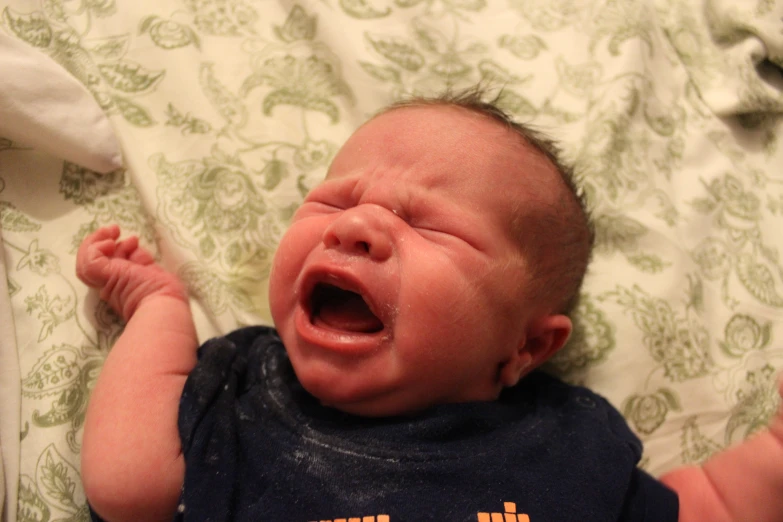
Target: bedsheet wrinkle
(227, 111)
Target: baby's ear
(545, 336)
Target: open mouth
(339, 309)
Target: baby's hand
(125, 273)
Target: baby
(430, 272)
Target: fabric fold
(44, 107)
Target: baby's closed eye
(314, 207)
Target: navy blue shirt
(258, 447)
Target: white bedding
(228, 110)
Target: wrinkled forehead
(449, 148)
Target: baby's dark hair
(564, 238)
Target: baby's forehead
(455, 140)
(482, 130)
(441, 116)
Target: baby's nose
(361, 230)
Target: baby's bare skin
(143, 382)
(132, 463)
(125, 273)
(131, 473)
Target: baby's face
(400, 283)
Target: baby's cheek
(277, 290)
(285, 269)
(283, 263)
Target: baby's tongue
(345, 310)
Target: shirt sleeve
(208, 425)
(206, 401)
(217, 379)
(649, 500)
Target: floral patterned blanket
(229, 110)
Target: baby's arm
(132, 464)
(740, 484)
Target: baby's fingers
(93, 253)
(140, 256)
(126, 247)
(108, 232)
(129, 249)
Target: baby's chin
(378, 409)
(366, 399)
